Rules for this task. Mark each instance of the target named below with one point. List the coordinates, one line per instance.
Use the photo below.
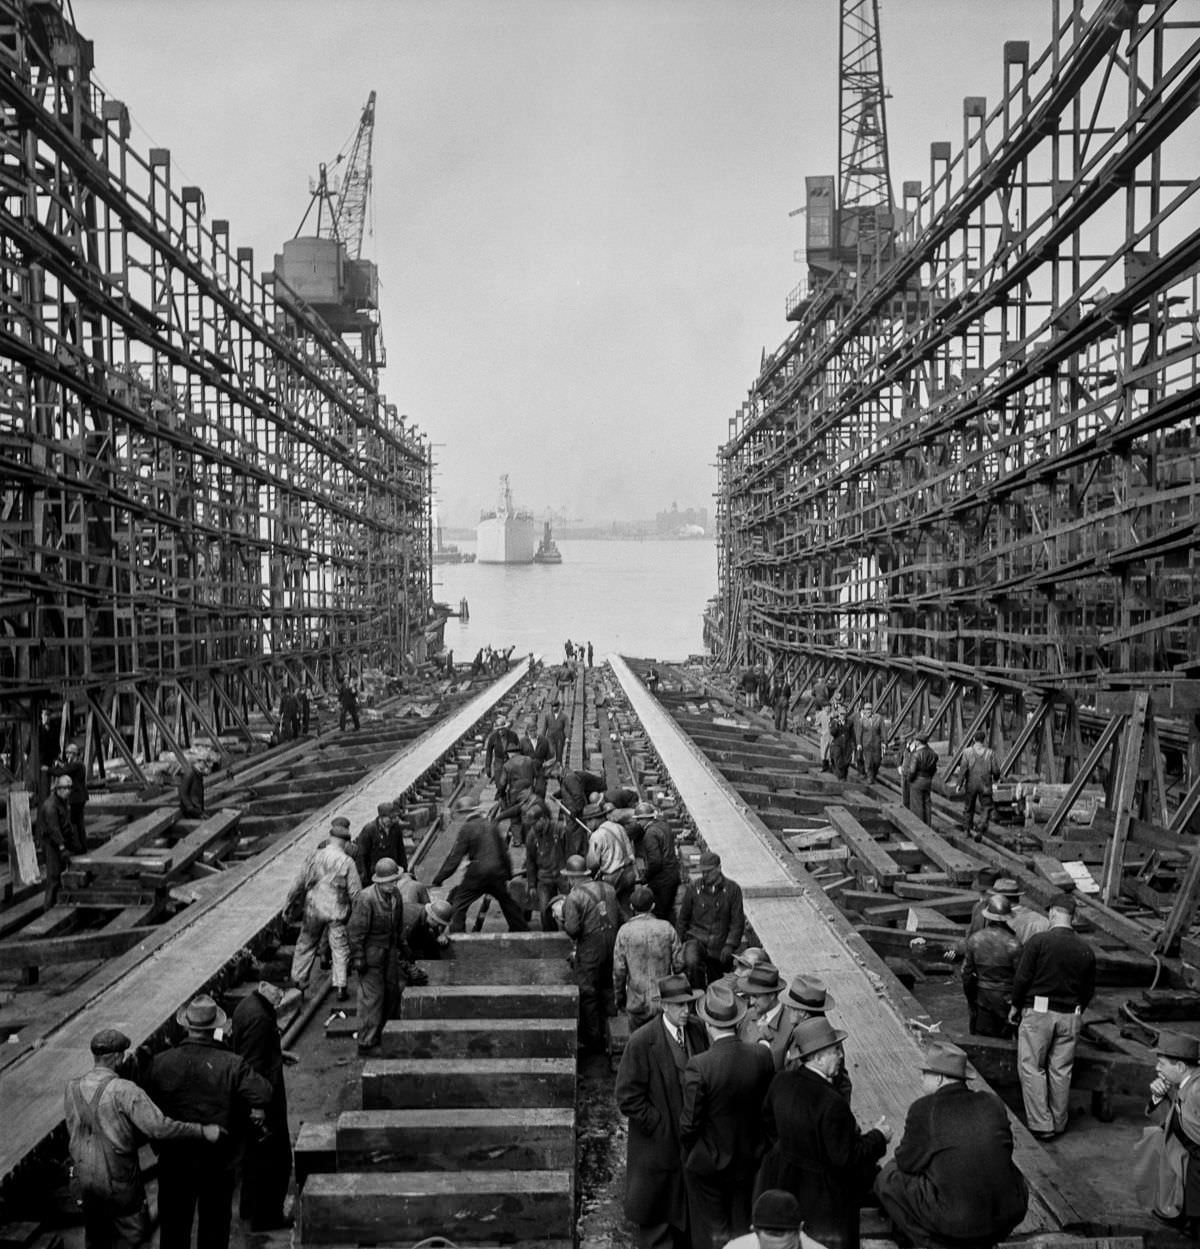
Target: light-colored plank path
(144, 988)
(805, 934)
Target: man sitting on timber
(711, 921)
(953, 1180)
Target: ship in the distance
(547, 552)
(507, 535)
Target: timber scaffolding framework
(204, 498)
(965, 487)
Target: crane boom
(355, 188)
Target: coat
(375, 929)
(480, 843)
(721, 1128)
(953, 1176)
(774, 1036)
(649, 1093)
(819, 1154)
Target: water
(636, 598)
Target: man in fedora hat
(989, 964)
(328, 885)
(267, 1163)
(377, 950)
(953, 1179)
(649, 1093)
(766, 1023)
(807, 998)
(1024, 920)
(646, 950)
(1053, 986)
(711, 921)
(1173, 1188)
(108, 1118)
(720, 1128)
(488, 871)
(591, 919)
(921, 765)
(203, 1081)
(818, 1152)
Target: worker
(200, 1080)
(646, 950)
(380, 838)
(489, 869)
(574, 788)
(654, 844)
(56, 834)
(500, 743)
(980, 770)
(72, 766)
(711, 921)
(327, 886)
(428, 934)
(985, 885)
(922, 766)
(548, 844)
(989, 965)
(870, 742)
(190, 787)
(953, 1180)
(776, 1223)
(610, 858)
(555, 729)
(841, 738)
(289, 716)
(348, 703)
(1024, 920)
(267, 1161)
(304, 700)
(108, 1118)
(1053, 986)
(781, 701)
(377, 951)
(591, 919)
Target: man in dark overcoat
(377, 949)
(819, 1155)
(489, 869)
(267, 1162)
(649, 1093)
(654, 841)
(953, 1178)
(721, 1128)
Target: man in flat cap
(921, 766)
(108, 1118)
(327, 885)
(953, 1179)
(201, 1079)
(1172, 1189)
(649, 1093)
(721, 1127)
(819, 1154)
(711, 921)
(776, 1223)
(1054, 983)
(380, 838)
(646, 950)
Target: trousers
(267, 1169)
(106, 1226)
(977, 800)
(308, 945)
(379, 991)
(698, 967)
(722, 1205)
(1045, 1056)
(471, 889)
(594, 976)
(192, 1188)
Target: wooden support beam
(1124, 795)
(959, 866)
(509, 971)
(484, 946)
(478, 1038)
(113, 857)
(81, 948)
(1107, 736)
(877, 862)
(191, 848)
(492, 1001)
(443, 1083)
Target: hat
(386, 872)
(593, 811)
(1063, 902)
(986, 877)
(813, 1035)
(642, 898)
(998, 909)
(110, 1041)
(808, 993)
(751, 956)
(677, 989)
(202, 1014)
(923, 734)
(73, 748)
(1170, 1045)
(945, 1060)
(1008, 887)
(339, 821)
(760, 980)
(386, 808)
(644, 809)
(575, 866)
(721, 1007)
(441, 912)
(776, 1211)
(620, 815)
(708, 859)
(556, 703)
(341, 831)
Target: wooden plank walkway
(805, 933)
(145, 988)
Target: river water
(642, 598)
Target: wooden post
(22, 853)
(1124, 795)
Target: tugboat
(547, 552)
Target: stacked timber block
(467, 1126)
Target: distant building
(689, 523)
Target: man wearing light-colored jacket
(647, 949)
(329, 884)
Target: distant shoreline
(589, 535)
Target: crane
(342, 207)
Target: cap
(945, 1060)
(642, 898)
(776, 1211)
(708, 860)
(386, 808)
(110, 1041)
(341, 831)
(644, 810)
(339, 821)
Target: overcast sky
(581, 206)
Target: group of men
(212, 1105)
(577, 650)
(747, 1103)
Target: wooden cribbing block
(507, 1139)
(509, 945)
(510, 971)
(426, 1083)
(190, 849)
(926, 919)
(82, 948)
(479, 1038)
(960, 867)
(114, 854)
(875, 860)
(315, 1150)
(954, 906)
(56, 922)
(490, 1002)
(466, 1207)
